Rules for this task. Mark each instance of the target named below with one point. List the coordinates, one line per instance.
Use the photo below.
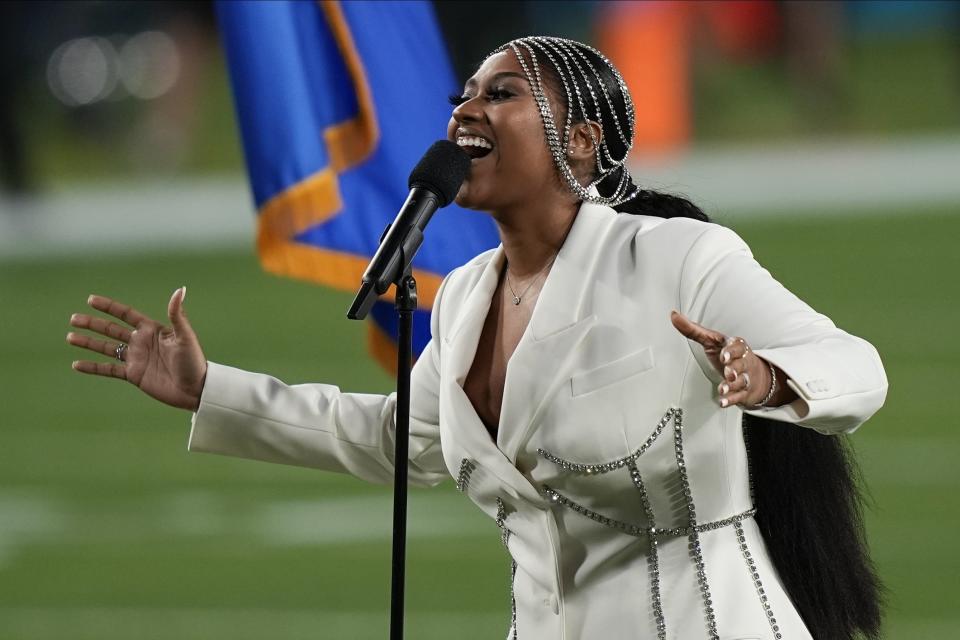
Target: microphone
(433, 184)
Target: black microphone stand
(406, 304)
(433, 184)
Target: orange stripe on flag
(351, 142)
(317, 198)
(332, 268)
(382, 347)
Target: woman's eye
(493, 95)
(499, 94)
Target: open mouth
(474, 146)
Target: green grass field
(109, 529)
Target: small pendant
(516, 300)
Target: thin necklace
(517, 299)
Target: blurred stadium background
(826, 133)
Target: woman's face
(498, 124)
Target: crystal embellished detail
(653, 559)
(513, 601)
(505, 538)
(642, 532)
(606, 467)
(500, 520)
(696, 552)
(691, 531)
(748, 557)
(755, 576)
(564, 57)
(463, 477)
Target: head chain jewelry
(565, 56)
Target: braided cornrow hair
(806, 485)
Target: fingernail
(183, 294)
(723, 402)
(725, 389)
(726, 356)
(74, 364)
(73, 317)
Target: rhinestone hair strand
(572, 66)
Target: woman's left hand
(746, 376)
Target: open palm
(165, 362)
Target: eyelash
(496, 94)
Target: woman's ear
(584, 138)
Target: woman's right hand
(165, 362)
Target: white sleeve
(838, 377)
(252, 415)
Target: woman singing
(647, 415)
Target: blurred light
(149, 64)
(82, 71)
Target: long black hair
(807, 487)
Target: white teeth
(473, 141)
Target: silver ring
(121, 349)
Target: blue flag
(336, 104)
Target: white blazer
(620, 485)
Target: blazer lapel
(461, 343)
(461, 424)
(543, 358)
(548, 350)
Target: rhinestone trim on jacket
(761, 593)
(748, 557)
(691, 531)
(696, 553)
(653, 559)
(505, 539)
(605, 467)
(463, 477)
(641, 532)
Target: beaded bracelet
(773, 388)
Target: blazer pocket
(607, 374)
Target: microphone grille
(442, 170)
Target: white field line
(37, 520)
(800, 176)
(35, 623)
(854, 175)
(32, 517)
(128, 218)
(184, 623)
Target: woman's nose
(468, 111)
